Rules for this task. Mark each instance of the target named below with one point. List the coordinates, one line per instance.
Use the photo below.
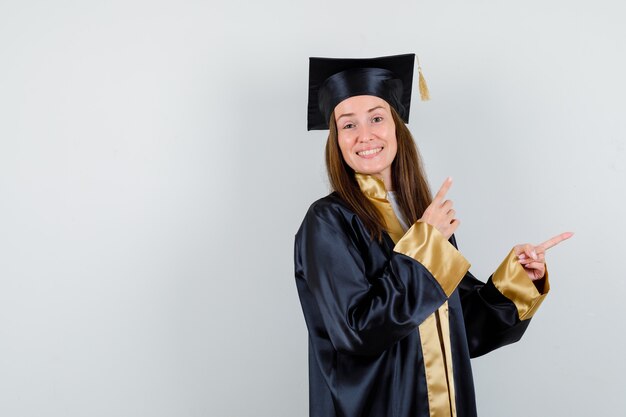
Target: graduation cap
(332, 80)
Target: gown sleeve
(497, 312)
(365, 309)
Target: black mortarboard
(332, 80)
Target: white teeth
(369, 152)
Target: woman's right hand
(440, 213)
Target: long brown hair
(407, 175)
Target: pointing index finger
(555, 240)
(441, 194)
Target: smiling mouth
(369, 152)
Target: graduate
(392, 311)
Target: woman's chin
(371, 169)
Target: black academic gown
(393, 324)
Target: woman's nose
(365, 133)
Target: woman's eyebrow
(345, 115)
(369, 111)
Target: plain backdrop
(155, 166)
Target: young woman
(393, 313)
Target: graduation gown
(393, 324)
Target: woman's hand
(533, 258)
(440, 213)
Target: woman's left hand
(533, 258)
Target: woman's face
(367, 135)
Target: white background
(155, 165)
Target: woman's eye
(348, 126)
(377, 119)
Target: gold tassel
(424, 93)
